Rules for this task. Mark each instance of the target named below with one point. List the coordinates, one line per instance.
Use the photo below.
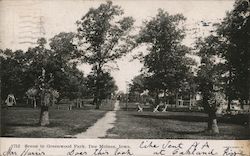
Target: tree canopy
(103, 37)
(166, 63)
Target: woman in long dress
(10, 101)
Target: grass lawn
(23, 122)
(171, 125)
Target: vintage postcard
(125, 78)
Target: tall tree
(45, 68)
(42, 65)
(166, 62)
(208, 79)
(103, 37)
(234, 36)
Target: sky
(61, 16)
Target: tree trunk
(77, 103)
(53, 102)
(228, 104)
(157, 98)
(212, 123)
(165, 97)
(190, 102)
(34, 102)
(229, 92)
(82, 103)
(44, 116)
(176, 100)
(212, 126)
(181, 102)
(97, 90)
(97, 102)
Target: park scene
(125, 69)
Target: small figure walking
(10, 101)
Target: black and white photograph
(123, 69)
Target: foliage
(234, 34)
(136, 88)
(166, 64)
(107, 85)
(75, 83)
(31, 93)
(22, 71)
(103, 37)
(13, 69)
(225, 55)
(138, 84)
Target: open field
(174, 125)
(23, 122)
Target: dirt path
(100, 128)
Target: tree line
(224, 67)
(104, 35)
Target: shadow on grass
(22, 124)
(187, 132)
(237, 119)
(176, 117)
(52, 124)
(79, 130)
